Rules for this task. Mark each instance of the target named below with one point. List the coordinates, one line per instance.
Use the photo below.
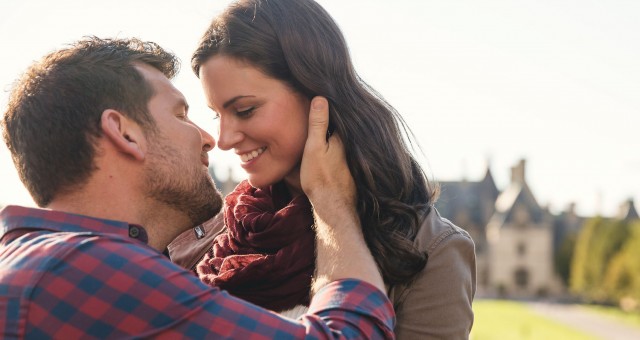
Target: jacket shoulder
(436, 230)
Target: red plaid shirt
(72, 276)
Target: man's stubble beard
(183, 188)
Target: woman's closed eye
(245, 112)
(242, 113)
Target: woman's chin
(259, 183)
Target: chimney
(517, 173)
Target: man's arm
(325, 178)
(110, 287)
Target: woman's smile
(251, 155)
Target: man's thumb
(318, 119)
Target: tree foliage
(564, 257)
(596, 258)
(622, 279)
(580, 279)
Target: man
(102, 140)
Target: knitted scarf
(267, 254)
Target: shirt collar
(16, 217)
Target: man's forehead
(160, 83)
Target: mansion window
(521, 278)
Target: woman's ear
(125, 134)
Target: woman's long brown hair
(297, 42)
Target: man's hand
(324, 173)
(342, 252)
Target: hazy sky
(555, 82)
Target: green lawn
(496, 319)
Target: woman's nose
(228, 134)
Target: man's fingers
(318, 120)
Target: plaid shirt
(72, 276)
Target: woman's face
(262, 119)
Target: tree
(564, 257)
(580, 280)
(598, 243)
(622, 279)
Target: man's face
(177, 160)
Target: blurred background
(526, 113)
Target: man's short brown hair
(54, 111)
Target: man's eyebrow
(233, 100)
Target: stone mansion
(516, 238)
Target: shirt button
(134, 232)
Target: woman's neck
(292, 182)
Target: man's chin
(212, 211)
(209, 209)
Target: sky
(480, 83)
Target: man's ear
(125, 134)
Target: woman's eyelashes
(244, 113)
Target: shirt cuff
(359, 297)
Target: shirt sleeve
(437, 305)
(113, 288)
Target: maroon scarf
(267, 254)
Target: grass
(628, 318)
(496, 319)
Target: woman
(260, 63)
